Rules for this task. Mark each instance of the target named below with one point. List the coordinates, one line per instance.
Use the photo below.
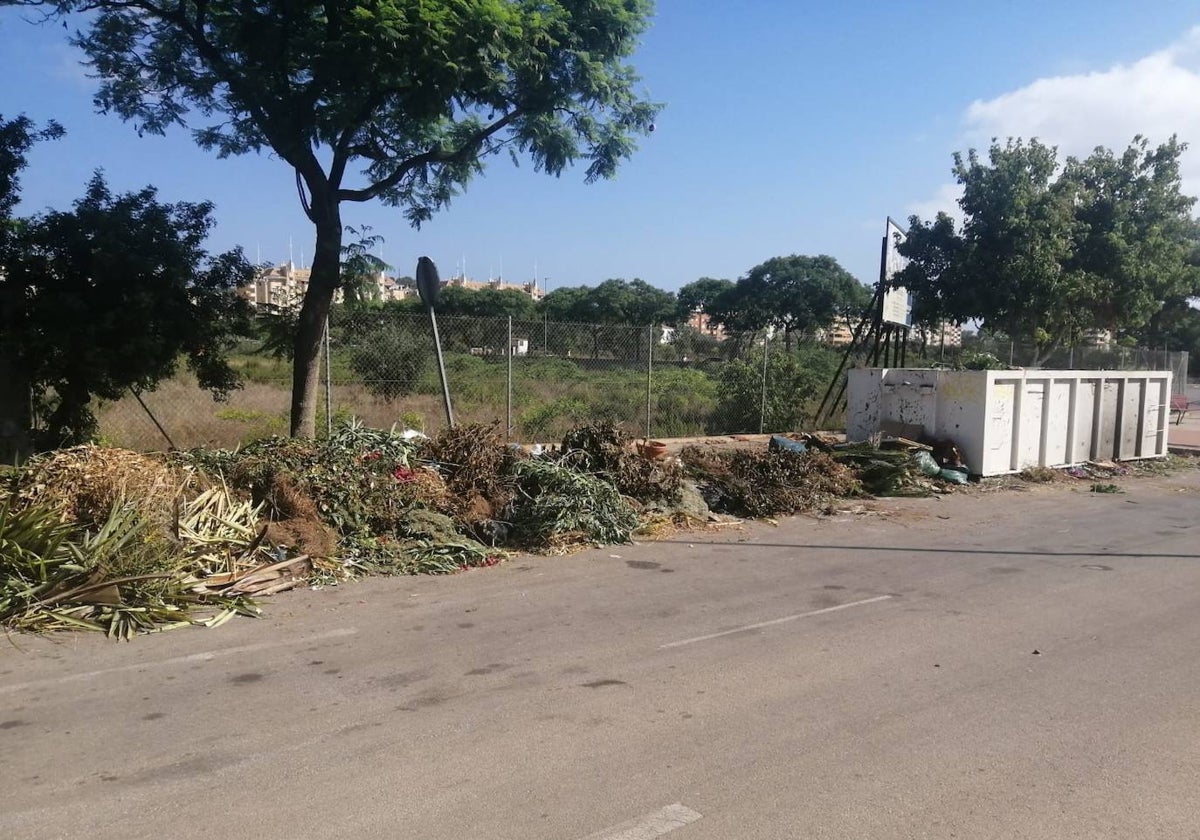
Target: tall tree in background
(795, 294)
(1047, 252)
(698, 296)
(414, 94)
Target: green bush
(795, 381)
(391, 359)
(684, 400)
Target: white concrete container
(1006, 420)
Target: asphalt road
(1004, 665)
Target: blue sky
(790, 127)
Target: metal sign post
(428, 285)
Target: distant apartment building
(281, 285)
(841, 333)
(498, 283)
(285, 285)
(702, 323)
(1102, 339)
(943, 335)
(391, 288)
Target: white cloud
(1156, 96)
(945, 200)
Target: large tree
(795, 294)
(110, 295)
(17, 137)
(410, 94)
(1046, 252)
(698, 296)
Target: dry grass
(193, 419)
(85, 482)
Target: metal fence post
(649, 376)
(762, 410)
(508, 424)
(328, 385)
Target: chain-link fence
(536, 378)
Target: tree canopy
(1046, 252)
(795, 294)
(699, 295)
(110, 295)
(406, 96)
(616, 301)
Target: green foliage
(795, 294)
(261, 424)
(109, 296)
(557, 505)
(688, 344)
(1048, 252)
(350, 477)
(123, 578)
(976, 360)
(684, 400)
(1175, 326)
(360, 267)
(624, 302)
(485, 303)
(538, 421)
(699, 296)
(257, 368)
(409, 98)
(17, 137)
(603, 450)
(341, 75)
(429, 544)
(794, 381)
(391, 359)
(32, 540)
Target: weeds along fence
(536, 379)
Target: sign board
(897, 305)
(428, 283)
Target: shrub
(391, 359)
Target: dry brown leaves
(475, 461)
(84, 482)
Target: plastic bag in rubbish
(926, 463)
(953, 476)
(779, 443)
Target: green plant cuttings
(557, 505)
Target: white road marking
(774, 621)
(661, 822)
(206, 656)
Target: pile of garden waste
(120, 542)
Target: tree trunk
(1041, 353)
(70, 423)
(323, 282)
